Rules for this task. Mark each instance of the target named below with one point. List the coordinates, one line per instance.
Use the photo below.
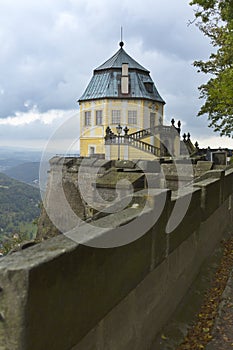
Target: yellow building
(122, 107)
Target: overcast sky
(49, 49)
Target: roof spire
(121, 42)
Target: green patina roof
(106, 80)
(118, 59)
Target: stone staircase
(141, 134)
(144, 146)
(134, 142)
(135, 139)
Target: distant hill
(27, 155)
(6, 163)
(25, 172)
(19, 206)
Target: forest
(19, 208)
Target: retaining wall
(59, 295)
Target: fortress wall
(61, 295)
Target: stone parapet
(63, 295)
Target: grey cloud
(35, 130)
(49, 49)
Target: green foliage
(19, 206)
(11, 242)
(215, 20)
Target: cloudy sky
(49, 49)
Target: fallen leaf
(206, 330)
(163, 337)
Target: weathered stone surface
(71, 292)
(211, 195)
(211, 174)
(63, 295)
(219, 157)
(103, 163)
(149, 166)
(152, 180)
(125, 164)
(177, 174)
(132, 323)
(185, 216)
(13, 305)
(228, 183)
(62, 192)
(122, 179)
(204, 165)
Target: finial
(126, 130)
(121, 42)
(179, 126)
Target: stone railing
(131, 141)
(141, 134)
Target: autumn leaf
(163, 337)
(199, 335)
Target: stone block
(149, 166)
(211, 174)
(13, 304)
(56, 160)
(98, 155)
(125, 164)
(215, 174)
(211, 196)
(185, 216)
(228, 183)
(204, 165)
(88, 162)
(152, 180)
(219, 157)
(159, 202)
(159, 238)
(102, 163)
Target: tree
(215, 19)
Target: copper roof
(106, 80)
(118, 59)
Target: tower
(121, 92)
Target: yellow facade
(128, 152)
(135, 114)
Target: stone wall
(65, 296)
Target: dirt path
(213, 327)
(223, 329)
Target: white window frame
(132, 117)
(99, 117)
(87, 118)
(116, 116)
